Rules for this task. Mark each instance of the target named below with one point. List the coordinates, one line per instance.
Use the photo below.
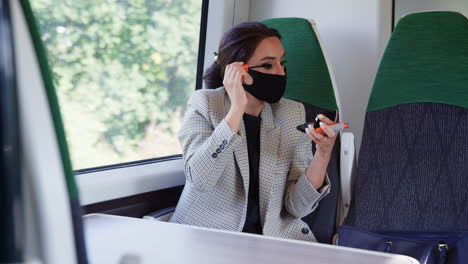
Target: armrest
(347, 169)
(161, 214)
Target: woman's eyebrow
(271, 58)
(268, 58)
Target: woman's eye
(267, 66)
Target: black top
(252, 129)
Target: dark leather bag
(426, 247)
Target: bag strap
(442, 248)
(388, 246)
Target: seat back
(310, 81)
(413, 162)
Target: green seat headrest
(426, 60)
(308, 77)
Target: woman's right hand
(234, 77)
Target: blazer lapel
(269, 141)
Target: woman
(247, 166)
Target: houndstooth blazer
(217, 168)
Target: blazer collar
(266, 115)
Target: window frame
(11, 170)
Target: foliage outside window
(124, 70)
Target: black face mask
(266, 87)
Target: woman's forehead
(269, 48)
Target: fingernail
(307, 129)
(320, 116)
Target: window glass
(404, 7)
(123, 70)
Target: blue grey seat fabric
(413, 170)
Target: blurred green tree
(131, 62)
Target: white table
(115, 239)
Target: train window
(403, 7)
(123, 70)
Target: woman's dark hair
(237, 44)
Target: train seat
(413, 163)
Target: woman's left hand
(324, 143)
